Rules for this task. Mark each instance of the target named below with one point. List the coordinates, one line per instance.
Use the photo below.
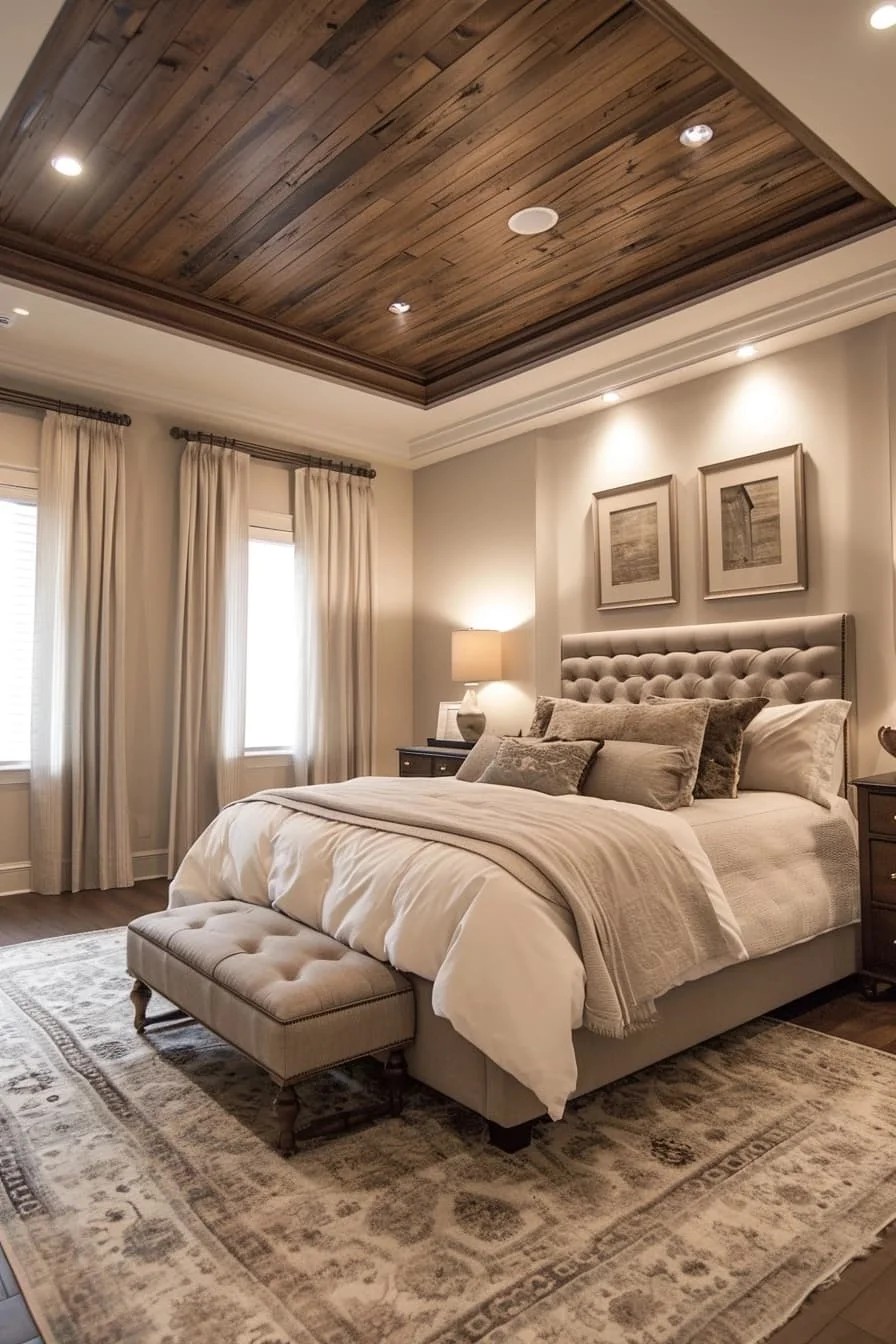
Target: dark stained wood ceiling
(273, 173)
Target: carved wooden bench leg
(286, 1109)
(140, 997)
(396, 1077)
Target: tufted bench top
(291, 998)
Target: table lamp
(475, 657)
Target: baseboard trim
(15, 878)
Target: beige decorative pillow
(723, 739)
(541, 716)
(548, 767)
(679, 723)
(791, 748)
(479, 758)
(639, 772)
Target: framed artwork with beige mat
(140, 1199)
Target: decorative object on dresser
(475, 657)
(753, 524)
(886, 736)
(430, 762)
(447, 730)
(636, 544)
(877, 869)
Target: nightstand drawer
(883, 871)
(413, 765)
(882, 814)
(445, 766)
(879, 940)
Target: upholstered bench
(291, 999)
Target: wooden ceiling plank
(463, 108)
(622, 247)
(692, 37)
(122, 143)
(315, 225)
(47, 129)
(623, 257)
(340, 113)
(446, 99)
(134, 63)
(71, 29)
(683, 287)
(424, 206)
(611, 164)
(209, 107)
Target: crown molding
(118, 386)
(799, 314)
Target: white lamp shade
(476, 655)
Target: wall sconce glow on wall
(475, 657)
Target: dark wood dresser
(430, 762)
(877, 867)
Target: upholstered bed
(814, 933)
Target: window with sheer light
(272, 655)
(18, 549)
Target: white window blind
(18, 537)
(272, 657)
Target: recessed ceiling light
(883, 17)
(694, 136)
(746, 351)
(534, 219)
(399, 307)
(67, 165)
(610, 398)
(21, 312)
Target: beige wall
(525, 525)
(152, 474)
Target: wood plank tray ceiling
(272, 174)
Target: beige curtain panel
(210, 665)
(334, 537)
(79, 791)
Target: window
(18, 539)
(272, 657)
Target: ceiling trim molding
(784, 318)
(679, 287)
(51, 270)
(222, 417)
(698, 42)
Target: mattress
(788, 866)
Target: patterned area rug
(700, 1200)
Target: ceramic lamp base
(470, 718)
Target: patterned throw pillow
(680, 724)
(723, 740)
(541, 717)
(548, 767)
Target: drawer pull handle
(893, 877)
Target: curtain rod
(10, 397)
(266, 454)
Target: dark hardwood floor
(859, 1309)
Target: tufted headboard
(798, 658)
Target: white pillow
(792, 748)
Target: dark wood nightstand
(877, 868)
(431, 762)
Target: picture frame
(753, 524)
(636, 544)
(446, 724)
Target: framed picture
(753, 524)
(636, 544)
(446, 727)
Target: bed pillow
(548, 767)
(639, 772)
(541, 716)
(679, 723)
(479, 757)
(791, 748)
(723, 741)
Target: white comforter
(504, 962)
